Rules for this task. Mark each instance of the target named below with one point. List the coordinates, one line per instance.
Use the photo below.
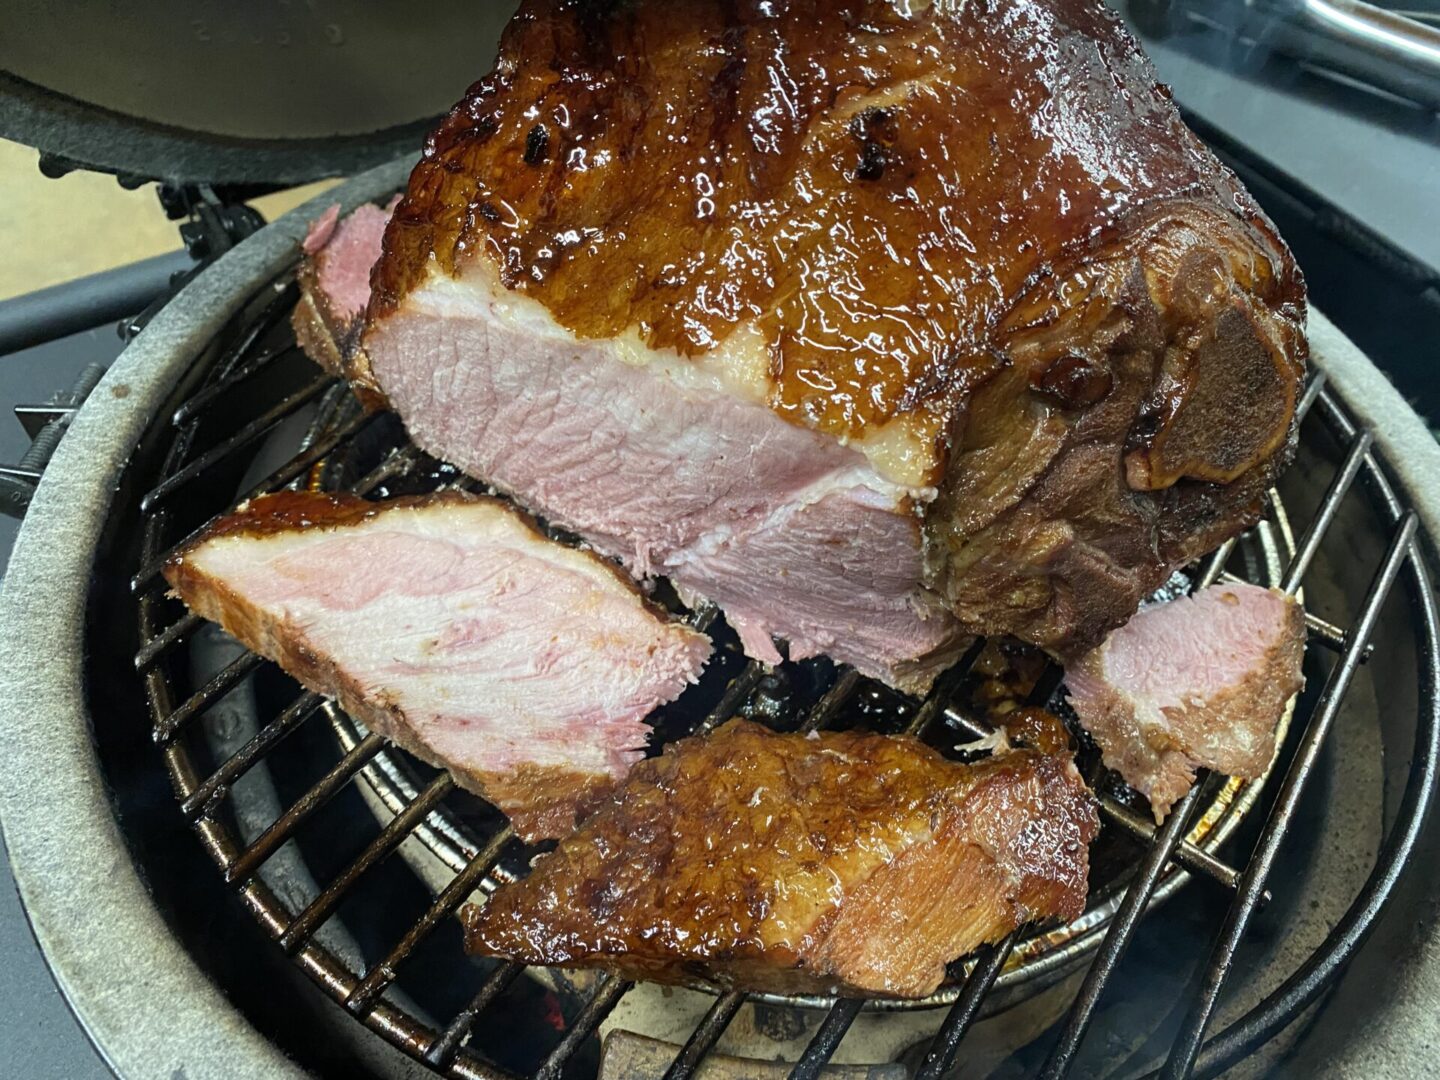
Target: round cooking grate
(268, 774)
(814, 694)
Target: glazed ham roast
(1198, 682)
(839, 862)
(877, 324)
(451, 626)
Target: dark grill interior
(253, 393)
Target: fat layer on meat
(878, 325)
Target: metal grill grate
(202, 445)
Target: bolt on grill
(194, 456)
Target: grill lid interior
(236, 93)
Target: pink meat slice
(661, 464)
(454, 628)
(334, 280)
(1198, 682)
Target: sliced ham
(334, 280)
(451, 626)
(1198, 682)
(877, 324)
(837, 862)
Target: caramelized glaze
(288, 510)
(876, 185)
(846, 861)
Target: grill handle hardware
(45, 424)
(214, 224)
(215, 221)
(1393, 51)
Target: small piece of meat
(844, 863)
(1198, 682)
(451, 626)
(1037, 729)
(334, 279)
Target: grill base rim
(84, 899)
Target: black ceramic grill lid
(270, 92)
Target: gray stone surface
(37, 1026)
(157, 1015)
(1398, 1034)
(1407, 443)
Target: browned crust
(1055, 530)
(331, 340)
(653, 91)
(542, 802)
(957, 889)
(317, 330)
(1161, 764)
(670, 880)
(1038, 729)
(290, 511)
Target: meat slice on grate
(839, 862)
(451, 626)
(876, 324)
(334, 280)
(1198, 682)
